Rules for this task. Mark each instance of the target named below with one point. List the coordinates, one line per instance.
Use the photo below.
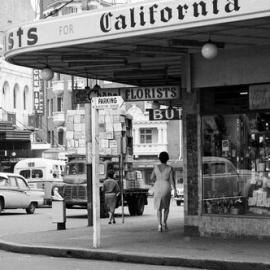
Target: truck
(74, 186)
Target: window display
(236, 163)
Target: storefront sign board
(165, 114)
(130, 20)
(38, 90)
(259, 97)
(81, 96)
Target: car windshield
(76, 168)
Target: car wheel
(1, 205)
(31, 209)
(140, 206)
(132, 208)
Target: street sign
(165, 114)
(112, 102)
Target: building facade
(17, 117)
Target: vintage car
(16, 193)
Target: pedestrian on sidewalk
(111, 192)
(164, 182)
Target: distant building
(17, 118)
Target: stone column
(191, 159)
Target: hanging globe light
(155, 105)
(209, 50)
(46, 74)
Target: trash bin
(59, 213)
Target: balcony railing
(149, 149)
(59, 118)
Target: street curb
(128, 257)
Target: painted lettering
(152, 10)
(10, 41)
(169, 114)
(196, 12)
(166, 14)
(105, 22)
(215, 7)
(142, 21)
(154, 14)
(32, 36)
(159, 93)
(132, 18)
(157, 114)
(232, 5)
(66, 29)
(19, 35)
(120, 22)
(182, 11)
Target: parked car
(16, 193)
(220, 178)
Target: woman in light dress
(162, 175)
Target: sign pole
(95, 176)
(88, 137)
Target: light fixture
(155, 105)
(46, 74)
(94, 90)
(209, 50)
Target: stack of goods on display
(75, 131)
(116, 142)
(134, 179)
(259, 203)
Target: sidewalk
(132, 242)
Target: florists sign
(130, 20)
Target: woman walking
(111, 190)
(162, 175)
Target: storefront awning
(138, 44)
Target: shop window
(236, 163)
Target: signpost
(97, 104)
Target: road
(13, 261)
(16, 220)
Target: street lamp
(209, 50)
(46, 74)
